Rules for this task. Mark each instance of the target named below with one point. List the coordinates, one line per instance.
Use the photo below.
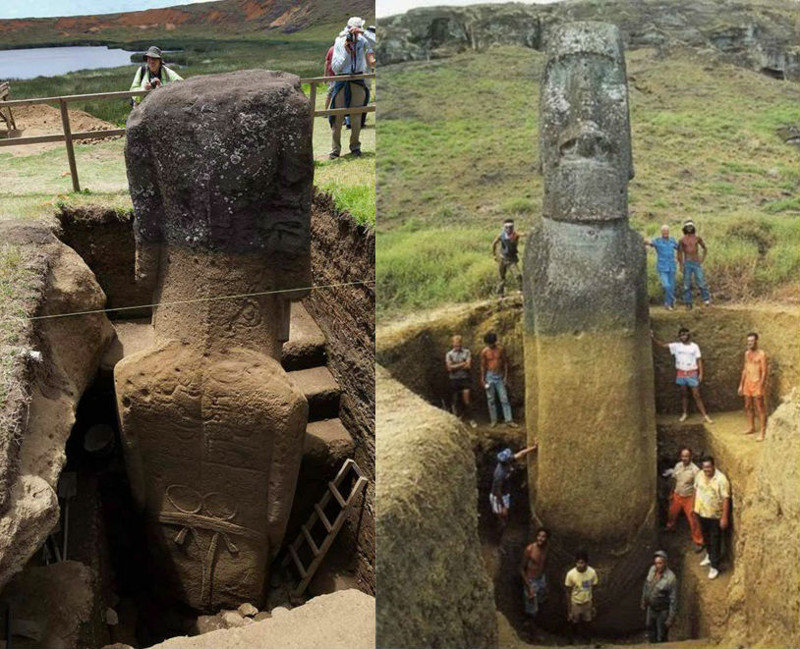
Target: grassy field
(459, 152)
(31, 184)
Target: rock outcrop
(432, 584)
(50, 388)
(763, 37)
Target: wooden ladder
(332, 528)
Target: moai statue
(588, 362)
(220, 170)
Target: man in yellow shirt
(712, 506)
(579, 584)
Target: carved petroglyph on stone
(588, 363)
(221, 210)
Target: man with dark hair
(500, 495)
(532, 570)
(689, 366)
(509, 255)
(660, 598)
(712, 506)
(579, 583)
(459, 363)
(691, 262)
(682, 497)
(752, 386)
(494, 375)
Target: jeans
(495, 382)
(712, 537)
(694, 268)
(504, 265)
(667, 278)
(657, 630)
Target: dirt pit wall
(414, 351)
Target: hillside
(762, 35)
(214, 19)
(459, 152)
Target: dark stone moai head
(224, 163)
(584, 134)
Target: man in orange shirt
(752, 385)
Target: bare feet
(708, 419)
(749, 432)
(760, 438)
(683, 417)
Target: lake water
(53, 61)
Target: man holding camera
(352, 54)
(154, 74)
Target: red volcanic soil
(239, 16)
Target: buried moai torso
(588, 363)
(220, 171)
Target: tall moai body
(588, 364)
(220, 171)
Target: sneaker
(356, 153)
(707, 303)
(473, 423)
(713, 573)
(682, 417)
(688, 307)
(333, 155)
(493, 424)
(706, 561)
(670, 307)
(512, 424)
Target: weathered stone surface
(588, 363)
(32, 451)
(343, 620)
(434, 590)
(742, 33)
(220, 169)
(247, 610)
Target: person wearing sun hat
(154, 73)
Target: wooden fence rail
(68, 136)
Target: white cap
(355, 21)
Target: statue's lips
(585, 189)
(589, 171)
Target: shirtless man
(532, 570)
(690, 259)
(494, 375)
(752, 385)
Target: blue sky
(49, 8)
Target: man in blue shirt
(665, 247)
(352, 54)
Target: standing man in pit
(532, 569)
(682, 497)
(500, 495)
(660, 598)
(712, 506)
(154, 73)
(459, 363)
(580, 583)
(509, 255)
(665, 247)
(494, 376)
(689, 366)
(752, 386)
(691, 261)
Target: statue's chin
(586, 189)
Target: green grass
(459, 152)
(31, 183)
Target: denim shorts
(690, 381)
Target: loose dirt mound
(42, 119)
